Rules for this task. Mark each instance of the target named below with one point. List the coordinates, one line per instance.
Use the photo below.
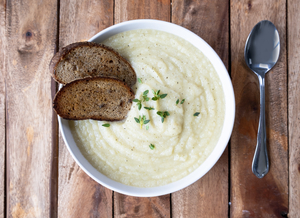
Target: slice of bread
(88, 59)
(94, 98)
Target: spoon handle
(260, 164)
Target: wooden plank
(126, 206)
(30, 44)
(142, 9)
(250, 196)
(208, 197)
(294, 106)
(2, 107)
(78, 194)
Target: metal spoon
(261, 54)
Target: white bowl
(225, 134)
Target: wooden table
(39, 178)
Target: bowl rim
(215, 154)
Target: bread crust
(59, 95)
(60, 56)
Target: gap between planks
(55, 138)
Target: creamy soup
(158, 153)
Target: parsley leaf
(106, 125)
(141, 120)
(139, 80)
(177, 101)
(138, 103)
(182, 101)
(149, 108)
(157, 96)
(196, 114)
(163, 96)
(151, 146)
(145, 97)
(163, 115)
(146, 121)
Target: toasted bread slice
(94, 98)
(88, 59)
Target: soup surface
(158, 153)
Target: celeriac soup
(175, 121)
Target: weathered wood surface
(126, 206)
(294, 106)
(208, 197)
(2, 107)
(142, 9)
(250, 196)
(30, 43)
(28, 127)
(79, 195)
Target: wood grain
(126, 206)
(250, 196)
(78, 194)
(2, 107)
(28, 32)
(198, 200)
(294, 106)
(30, 44)
(142, 9)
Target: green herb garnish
(147, 127)
(138, 103)
(151, 146)
(177, 101)
(163, 115)
(106, 125)
(149, 108)
(145, 97)
(139, 80)
(146, 121)
(157, 96)
(182, 101)
(141, 120)
(196, 114)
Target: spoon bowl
(262, 47)
(261, 54)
